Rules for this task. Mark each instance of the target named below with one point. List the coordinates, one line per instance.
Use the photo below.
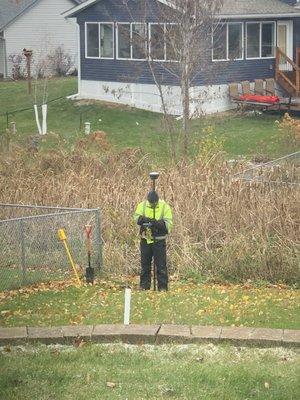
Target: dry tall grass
(223, 228)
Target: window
(106, 40)
(157, 42)
(267, 39)
(228, 41)
(124, 41)
(260, 39)
(92, 40)
(139, 41)
(99, 40)
(173, 42)
(132, 41)
(235, 41)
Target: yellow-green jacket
(162, 211)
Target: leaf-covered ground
(62, 303)
(117, 371)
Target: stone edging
(153, 334)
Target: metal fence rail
(30, 250)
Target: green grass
(149, 372)
(185, 303)
(129, 127)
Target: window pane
(235, 41)
(157, 42)
(253, 32)
(92, 40)
(173, 42)
(220, 42)
(267, 40)
(124, 41)
(106, 43)
(139, 41)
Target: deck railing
(287, 70)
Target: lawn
(246, 135)
(118, 371)
(187, 302)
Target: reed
(224, 229)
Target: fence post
(23, 256)
(98, 238)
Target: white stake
(37, 119)
(44, 124)
(127, 306)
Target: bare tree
(178, 47)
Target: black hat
(152, 197)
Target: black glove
(159, 226)
(143, 220)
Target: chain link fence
(284, 170)
(30, 250)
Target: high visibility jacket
(161, 211)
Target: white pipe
(44, 123)
(36, 113)
(127, 306)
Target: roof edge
(74, 10)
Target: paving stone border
(152, 334)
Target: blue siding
(139, 72)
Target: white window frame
(165, 46)
(146, 44)
(130, 41)
(99, 41)
(85, 39)
(227, 43)
(165, 29)
(243, 41)
(113, 40)
(260, 39)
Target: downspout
(4, 56)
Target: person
(154, 216)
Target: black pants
(157, 251)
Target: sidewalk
(152, 334)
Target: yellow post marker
(62, 236)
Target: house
(250, 32)
(36, 25)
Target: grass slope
(129, 127)
(149, 372)
(186, 303)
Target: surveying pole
(153, 177)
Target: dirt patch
(110, 105)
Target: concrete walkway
(153, 334)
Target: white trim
(69, 13)
(255, 16)
(100, 57)
(260, 23)
(85, 39)
(290, 39)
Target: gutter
(257, 16)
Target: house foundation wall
(203, 99)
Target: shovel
(89, 271)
